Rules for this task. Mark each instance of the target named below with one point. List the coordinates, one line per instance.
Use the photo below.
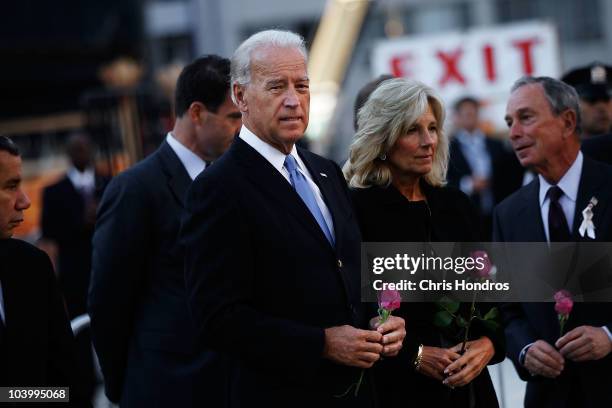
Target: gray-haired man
(272, 248)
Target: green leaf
(492, 314)
(449, 305)
(491, 325)
(461, 322)
(443, 318)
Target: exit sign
(482, 62)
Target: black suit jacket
(264, 282)
(37, 347)
(518, 219)
(63, 221)
(599, 148)
(140, 323)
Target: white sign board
(482, 62)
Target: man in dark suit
(36, 344)
(479, 165)
(67, 225)
(141, 327)
(272, 249)
(576, 369)
(68, 219)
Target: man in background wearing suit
(68, 219)
(480, 165)
(576, 369)
(273, 249)
(67, 225)
(36, 344)
(141, 326)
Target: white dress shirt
(277, 159)
(191, 161)
(82, 180)
(474, 148)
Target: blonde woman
(397, 169)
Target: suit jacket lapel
(530, 210)
(177, 177)
(591, 185)
(262, 174)
(460, 162)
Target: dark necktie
(558, 231)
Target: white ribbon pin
(587, 220)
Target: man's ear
(569, 122)
(197, 112)
(238, 91)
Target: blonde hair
(389, 112)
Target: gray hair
(241, 60)
(560, 96)
(388, 113)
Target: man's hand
(353, 347)
(585, 343)
(479, 184)
(542, 359)
(477, 355)
(434, 361)
(393, 331)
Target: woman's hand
(434, 360)
(463, 370)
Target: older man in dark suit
(36, 344)
(272, 249)
(141, 326)
(576, 369)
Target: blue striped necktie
(299, 182)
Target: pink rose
(562, 294)
(389, 300)
(487, 266)
(564, 306)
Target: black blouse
(385, 215)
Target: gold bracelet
(417, 359)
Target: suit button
(339, 263)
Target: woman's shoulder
(365, 193)
(375, 196)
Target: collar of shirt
(191, 161)
(568, 183)
(273, 155)
(277, 159)
(82, 180)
